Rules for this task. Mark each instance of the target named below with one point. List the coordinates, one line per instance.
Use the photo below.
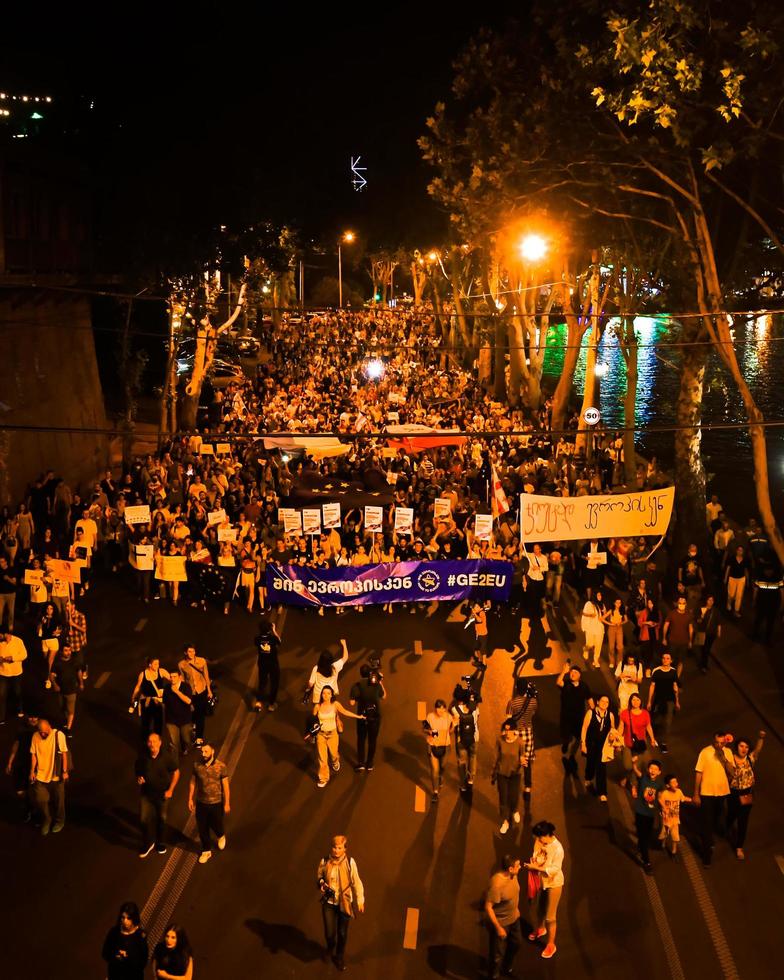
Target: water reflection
(727, 453)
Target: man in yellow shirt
(712, 788)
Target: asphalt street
(253, 911)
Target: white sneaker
(321, 784)
(516, 816)
(222, 843)
(204, 857)
(336, 763)
(504, 827)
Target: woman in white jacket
(592, 626)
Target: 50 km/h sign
(591, 416)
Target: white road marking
(411, 929)
(419, 800)
(718, 939)
(421, 710)
(102, 679)
(140, 625)
(780, 862)
(418, 651)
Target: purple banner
(403, 581)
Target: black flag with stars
(313, 490)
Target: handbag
(639, 745)
(212, 702)
(534, 884)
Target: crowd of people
(214, 498)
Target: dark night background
(208, 115)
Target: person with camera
(366, 695)
(438, 732)
(465, 711)
(521, 710)
(267, 642)
(328, 714)
(342, 896)
(712, 774)
(479, 619)
(196, 673)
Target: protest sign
(66, 571)
(618, 515)
(216, 517)
(227, 534)
(206, 449)
(292, 520)
(143, 554)
(374, 519)
(330, 515)
(223, 449)
(442, 508)
(404, 520)
(171, 568)
(137, 515)
(483, 527)
(311, 520)
(34, 576)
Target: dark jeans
(765, 615)
(596, 769)
(644, 826)
(705, 651)
(508, 795)
(502, 952)
(336, 924)
(152, 814)
(661, 715)
(367, 731)
(711, 810)
(269, 673)
(15, 684)
(152, 719)
(738, 816)
(209, 817)
(199, 714)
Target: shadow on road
(280, 937)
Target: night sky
(226, 117)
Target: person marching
(328, 712)
(209, 798)
(342, 896)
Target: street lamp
(533, 248)
(347, 238)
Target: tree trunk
(589, 392)
(691, 526)
(534, 391)
(168, 406)
(563, 390)
(499, 365)
(516, 356)
(630, 403)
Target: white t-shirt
(319, 681)
(44, 751)
(549, 857)
(714, 777)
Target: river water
(726, 452)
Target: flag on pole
(499, 503)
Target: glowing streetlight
(347, 238)
(533, 248)
(432, 255)
(374, 369)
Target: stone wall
(48, 377)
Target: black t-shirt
(66, 673)
(368, 698)
(665, 681)
(573, 699)
(267, 646)
(737, 569)
(177, 712)
(173, 961)
(157, 773)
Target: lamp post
(347, 238)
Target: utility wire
(533, 434)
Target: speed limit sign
(591, 416)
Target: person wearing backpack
(49, 771)
(466, 737)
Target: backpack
(58, 756)
(466, 730)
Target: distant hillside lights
(5, 97)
